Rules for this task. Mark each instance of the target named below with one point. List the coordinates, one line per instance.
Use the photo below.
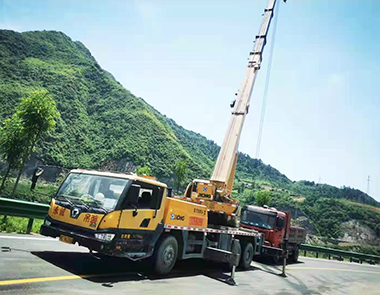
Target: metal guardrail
(335, 253)
(10, 207)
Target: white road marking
(28, 238)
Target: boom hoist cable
(267, 79)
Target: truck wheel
(295, 255)
(246, 256)
(165, 255)
(236, 249)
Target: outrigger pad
(218, 255)
(231, 281)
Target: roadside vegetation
(24, 193)
(11, 224)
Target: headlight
(105, 237)
(47, 222)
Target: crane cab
(200, 189)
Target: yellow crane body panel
(182, 213)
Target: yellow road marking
(38, 280)
(60, 278)
(75, 277)
(327, 268)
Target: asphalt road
(39, 265)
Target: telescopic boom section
(224, 171)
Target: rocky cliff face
(357, 233)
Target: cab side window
(150, 196)
(145, 198)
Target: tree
(248, 196)
(143, 170)
(180, 171)
(263, 198)
(12, 144)
(38, 114)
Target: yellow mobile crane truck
(136, 217)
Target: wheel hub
(168, 255)
(247, 255)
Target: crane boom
(224, 170)
(215, 193)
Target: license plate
(66, 239)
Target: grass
(376, 209)
(299, 199)
(11, 224)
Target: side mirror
(37, 173)
(170, 192)
(280, 223)
(133, 195)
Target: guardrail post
(29, 227)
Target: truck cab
(275, 225)
(113, 213)
(268, 221)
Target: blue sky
(187, 59)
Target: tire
(165, 255)
(246, 256)
(295, 254)
(236, 249)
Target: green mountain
(101, 120)
(104, 125)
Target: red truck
(275, 225)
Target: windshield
(93, 190)
(257, 219)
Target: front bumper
(133, 248)
(82, 240)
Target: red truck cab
(275, 225)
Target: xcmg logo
(177, 217)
